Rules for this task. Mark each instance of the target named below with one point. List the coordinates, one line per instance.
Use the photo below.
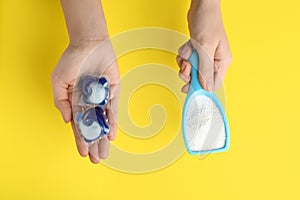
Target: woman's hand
(93, 57)
(209, 39)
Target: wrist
(205, 3)
(87, 42)
(88, 34)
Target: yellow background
(38, 155)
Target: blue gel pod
(93, 124)
(95, 90)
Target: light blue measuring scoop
(204, 123)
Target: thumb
(61, 100)
(185, 51)
(206, 66)
(112, 111)
(65, 109)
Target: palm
(91, 59)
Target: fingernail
(96, 161)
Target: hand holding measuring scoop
(203, 62)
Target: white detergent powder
(204, 125)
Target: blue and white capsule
(95, 90)
(93, 124)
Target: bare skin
(209, 38)
(87, 29)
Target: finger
(65, 109)
(112, 111)
(206, 72)
(223, 53)
(206, 65)
(185, 71)
(223, 59)
(179, 60)
(218, 81)
(81, 145)
(185, 88)
(94, 153)
(103, 147)
(61, 100)
(185, 50)
(220, 75)
(114, 91)
(203, 82)
(112, 121)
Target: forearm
(85, 21)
